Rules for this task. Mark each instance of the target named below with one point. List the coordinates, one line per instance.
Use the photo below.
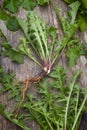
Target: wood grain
(29, 68)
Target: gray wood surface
(29, 68)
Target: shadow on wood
(83, 123)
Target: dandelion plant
(44, 41)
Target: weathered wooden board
(29, 68)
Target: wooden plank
(29, 68)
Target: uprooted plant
(43, 39)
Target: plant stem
(79, 112)
(15, 121)
(33, 59)
(40, 44)
(48, 122)
(43, 39)
(29, 39)
(56, 10)
(69, 97)
(43, 114)
(77, 102)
